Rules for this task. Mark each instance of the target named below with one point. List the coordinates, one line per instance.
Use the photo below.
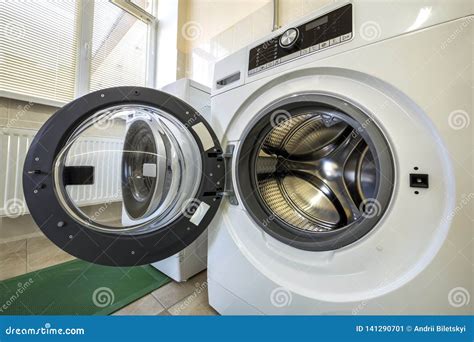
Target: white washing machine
(193, 259)
(336, 177)
(352, 164)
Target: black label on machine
(318, 34)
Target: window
(52, 51)
(119, 45)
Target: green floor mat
(77, 288)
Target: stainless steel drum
(315, 172)
(321, 172)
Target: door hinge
(228, 185)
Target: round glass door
(124, 176)
(142, 163)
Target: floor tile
(198, 279)
(173, 292)
(19, 228)
(196, 304)
(147, 305)
(43, 253)
(12, 259)
(8, 248)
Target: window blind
(38, 48)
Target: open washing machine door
(124, 176)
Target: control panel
(321, 33)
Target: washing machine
(334, 176)
(352, 164)
(141, 193)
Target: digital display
(316, 23)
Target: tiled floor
(12, 259)
(147, 305)
(28, 255)
(41, 253)
(187, 298)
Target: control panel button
(314, 48)
(289, 38)
(324, 44)
(335, 41)
(304, 51)
(346, 36)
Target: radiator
(14, 145)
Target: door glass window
(128, 168)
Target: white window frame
(84, 27)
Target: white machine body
(410, 65)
